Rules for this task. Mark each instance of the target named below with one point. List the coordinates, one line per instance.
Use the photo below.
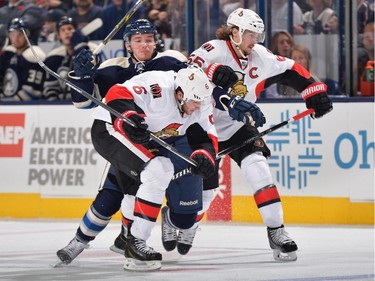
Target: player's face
(65, 33)
(190, 106)
(17, 39)
(143, 46)
(249, 39)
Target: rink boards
(324, 168)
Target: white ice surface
(224, 251)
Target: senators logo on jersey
(155, 91)
(208, 47)
(170, 131)
(239, 88)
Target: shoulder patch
(10, 48)
(172, 53)
(59, 51)
(121, 61)
(29, 56)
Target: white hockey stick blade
(92, 26)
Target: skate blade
(284, 257)
(113, 248)
(137, 265)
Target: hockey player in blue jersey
(60, 59)
(143, 57)
(21, 77)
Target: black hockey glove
(83, 64)
(243, 111)
(315, 96)
(221, 75)
(205, 163)
(138, 134)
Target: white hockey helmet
(194, 83)
(246, 19)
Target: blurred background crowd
(333, 39)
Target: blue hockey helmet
(140, 26)
(64, 21)
(18, 24)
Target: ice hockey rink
(222, 251)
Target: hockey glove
(205, 163)
(138, 134)
(243, 111)
(315, 96)
(83, 64)
(221, 75)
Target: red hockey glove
(205, 163)
(138, 134)
(315, 96)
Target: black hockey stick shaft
(261, 134)
(118, 26)
(105, 106)
(229, 150)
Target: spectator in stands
(301, 55)
(60, 59)
(111, 15)
(31, 14)
(280, 15)
(21, 76)
(366, 53)
(281, 44)
(163, 25)
(160, 5)
(321, 19)
(85, 12)
(55, 4)
(362, 15)
(49, 32)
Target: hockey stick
(92, 26)
(118, 26)
(230, 149)
(105, 106)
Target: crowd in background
(309, 17)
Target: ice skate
(139, 256)
(71, 251)
(185, 240)
(284, 248)
(120, 241)
(169, 233)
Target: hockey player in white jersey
(171, 106)
(21, 77)
(140, 40)
(256, 68)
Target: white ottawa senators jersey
(253, 74)
(154, 93)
